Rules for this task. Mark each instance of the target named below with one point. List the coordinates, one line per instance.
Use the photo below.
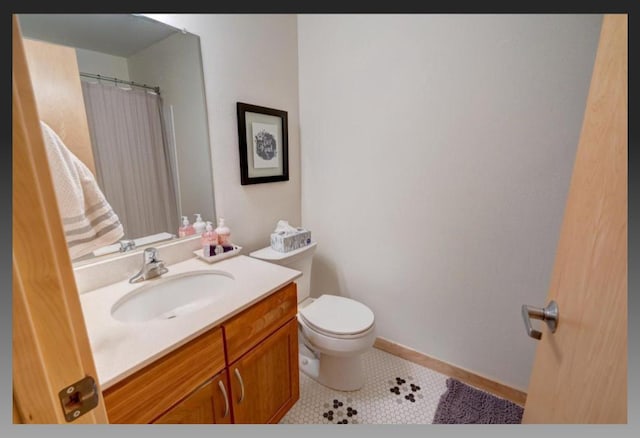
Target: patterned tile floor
(396, 392)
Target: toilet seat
(337, 317)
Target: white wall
(252, 59)
(173, 64)
(437, 153)
(90, 61)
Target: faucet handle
(150, 255)
(127, 245)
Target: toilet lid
(338, 315)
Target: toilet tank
(299, 259)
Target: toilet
(333, 331)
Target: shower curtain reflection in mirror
(132, 157)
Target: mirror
(132, 60)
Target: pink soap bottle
(209, 240)
(186, 229)
(223, 233)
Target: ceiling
(115, 34)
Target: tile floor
(396, 392)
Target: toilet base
(339, 373)
(308, 362)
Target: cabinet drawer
(246, 329)
(151, 391)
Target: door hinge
(79, 398)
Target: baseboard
(480, 382)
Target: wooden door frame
(51, 347)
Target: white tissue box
(285, 241)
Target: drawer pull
(226, 399)
(239, 377)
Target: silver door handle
(226, 399)
(237, 373)
(547, 314)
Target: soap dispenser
(186, 229)
(199, 225)
(209, 240)
(223, 233)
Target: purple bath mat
(462, 404)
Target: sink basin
(170, 297)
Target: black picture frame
(263, 139)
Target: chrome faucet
(151, 267)
(127, 245)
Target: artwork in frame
(263, 141)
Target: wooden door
(580, 371)
(265, 381)
(55, 78)
(50, 348)
(208, 404)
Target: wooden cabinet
(244, 371)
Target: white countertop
(120, 349)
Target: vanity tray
(216, 258)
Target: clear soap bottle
(199, 225)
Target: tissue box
(288, 241)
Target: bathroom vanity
(231, 361)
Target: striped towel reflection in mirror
(88, 220)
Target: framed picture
(263, 141)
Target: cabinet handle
(239, 377)
(226, 400)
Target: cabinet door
(265, 381)
(206, 405)
(197, 408)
